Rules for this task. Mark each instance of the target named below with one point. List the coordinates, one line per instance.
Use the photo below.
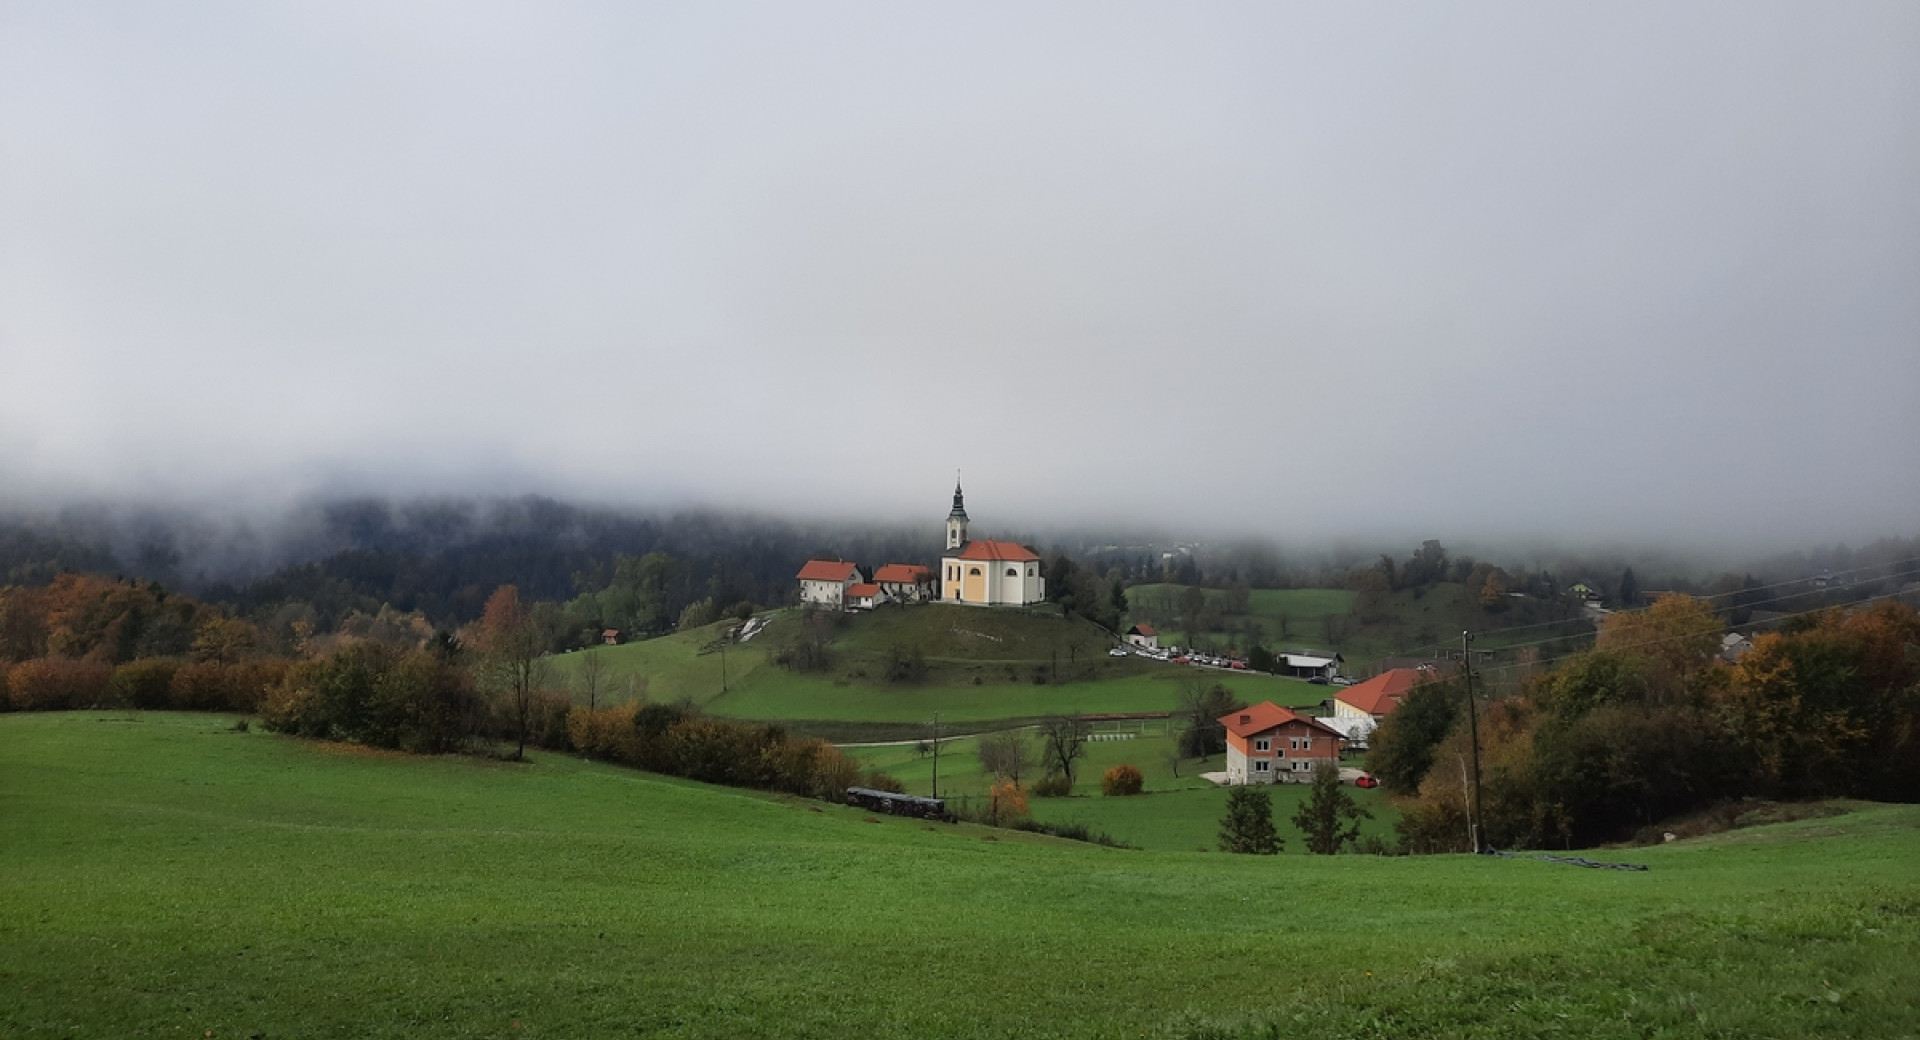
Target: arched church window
(1013, 572)
(973, 571)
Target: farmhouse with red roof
(824, 583)
(1268, 744)
(1143, 636)
(986, 573)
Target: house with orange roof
(1376, 698)
(824, 583)
(905, 582)
(863, 595)
(986, 573)
(1144, 636)
(1268, 744)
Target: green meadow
(982, 665)
(164, 875)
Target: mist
(1637, 276)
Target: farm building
(1308, 664)
(987, 573)
(1359, 708)
(1144, 636)
(1268, 744)
(824, 583)
(863, 596)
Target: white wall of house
(823, 593)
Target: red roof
(1145, 630)
(902, 573)
(826, 570)
(985, 549)
(863, 591)
(1381, 694)
(1266, 715)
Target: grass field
(673, 667)
(161, 875)
(1178, 813)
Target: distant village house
(1144, 637)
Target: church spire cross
(959, 500)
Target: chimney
(1244, 719)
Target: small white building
(824, 583)
(864, 596)
(1144, 637)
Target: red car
(1242, 665)
(1365, 780)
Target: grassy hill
(981, 665)
(1411, 622)
(162, 875)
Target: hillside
(1411, 622)
(980, 665)
(162, 874)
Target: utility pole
(936, 754)
(1473, 732)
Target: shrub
(145, 683)
(54, 683)
(1006, 802)
(879, 781)
(1059, 785)
(1122, 779)
(605, 733)
(212, 686)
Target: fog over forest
(1522, 279)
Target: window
(1262, 745)
(1013, 572)
(1307, 744)
(1260, 766)
(973, 572)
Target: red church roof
(826, 570)
(1381, 694)
(985, 549)
(902, 573)
(1266, 715)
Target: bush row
(54, 684)
(675, 739)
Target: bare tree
(1062, 743)
(1005, 754)
(592, 669)
(510, 655)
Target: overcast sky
(1639, 271)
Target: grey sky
(1641, 271)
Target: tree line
(1651, 723)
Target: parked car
(1183, 659)
(1116, 652)
(1318, 680)
(1341, 680)
(1365, 780)
(1242, 665)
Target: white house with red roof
(1144, 636)
(824, 583)
(905, 582)
(1358, 709)
(1268, 744)
(986, 573)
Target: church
(986, 573)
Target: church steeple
(957, 520)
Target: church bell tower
(957, 520)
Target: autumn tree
(1329, 819)
(511, 655)
(222, 641)
(1401, 750)
(1248, 825)
(1006, 802)
(1678, 632)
